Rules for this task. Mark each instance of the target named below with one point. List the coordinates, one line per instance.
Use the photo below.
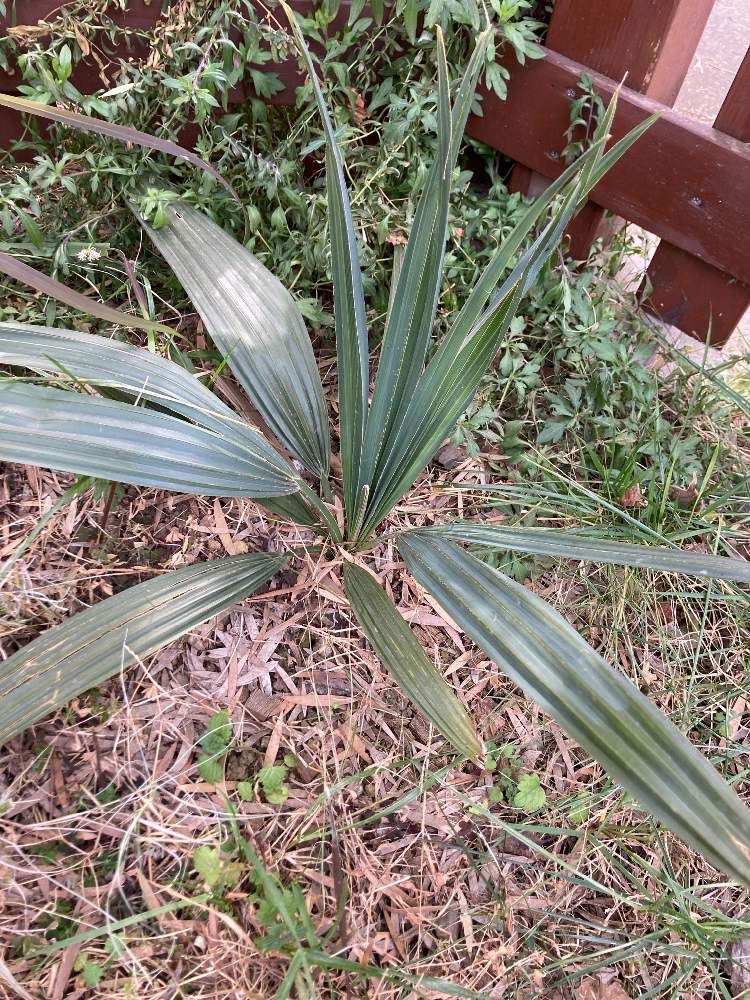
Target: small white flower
(89, 254)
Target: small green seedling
(91, 972)
(273, 784)
(215, 743)
(216, 868)
(530, 796)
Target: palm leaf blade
(429, 410)
(452, 377)
(572, 545)
(596, 705)
(400, 652)
(123, 133)
(130, 444)
(256, 324)
(418, 283)
(113, 364)
(488, 280)
(135, 372)
(96, 644)
(352, 349)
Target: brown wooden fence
(687, 183)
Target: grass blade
(99, 126)
(401, 654)
(595, 704)
(352, 351)
(256, 324)
(98, 643)
(62, 501)
(442, 987)
(124, 923)
(130, 444)
(572, 545)
(16, 269)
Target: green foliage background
(560, 376)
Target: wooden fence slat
(686, 292)
(734, 114)
(653, 43)
(694, 296)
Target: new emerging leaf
(352, 350)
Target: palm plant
(153, 424)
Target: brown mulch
(104, 806)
